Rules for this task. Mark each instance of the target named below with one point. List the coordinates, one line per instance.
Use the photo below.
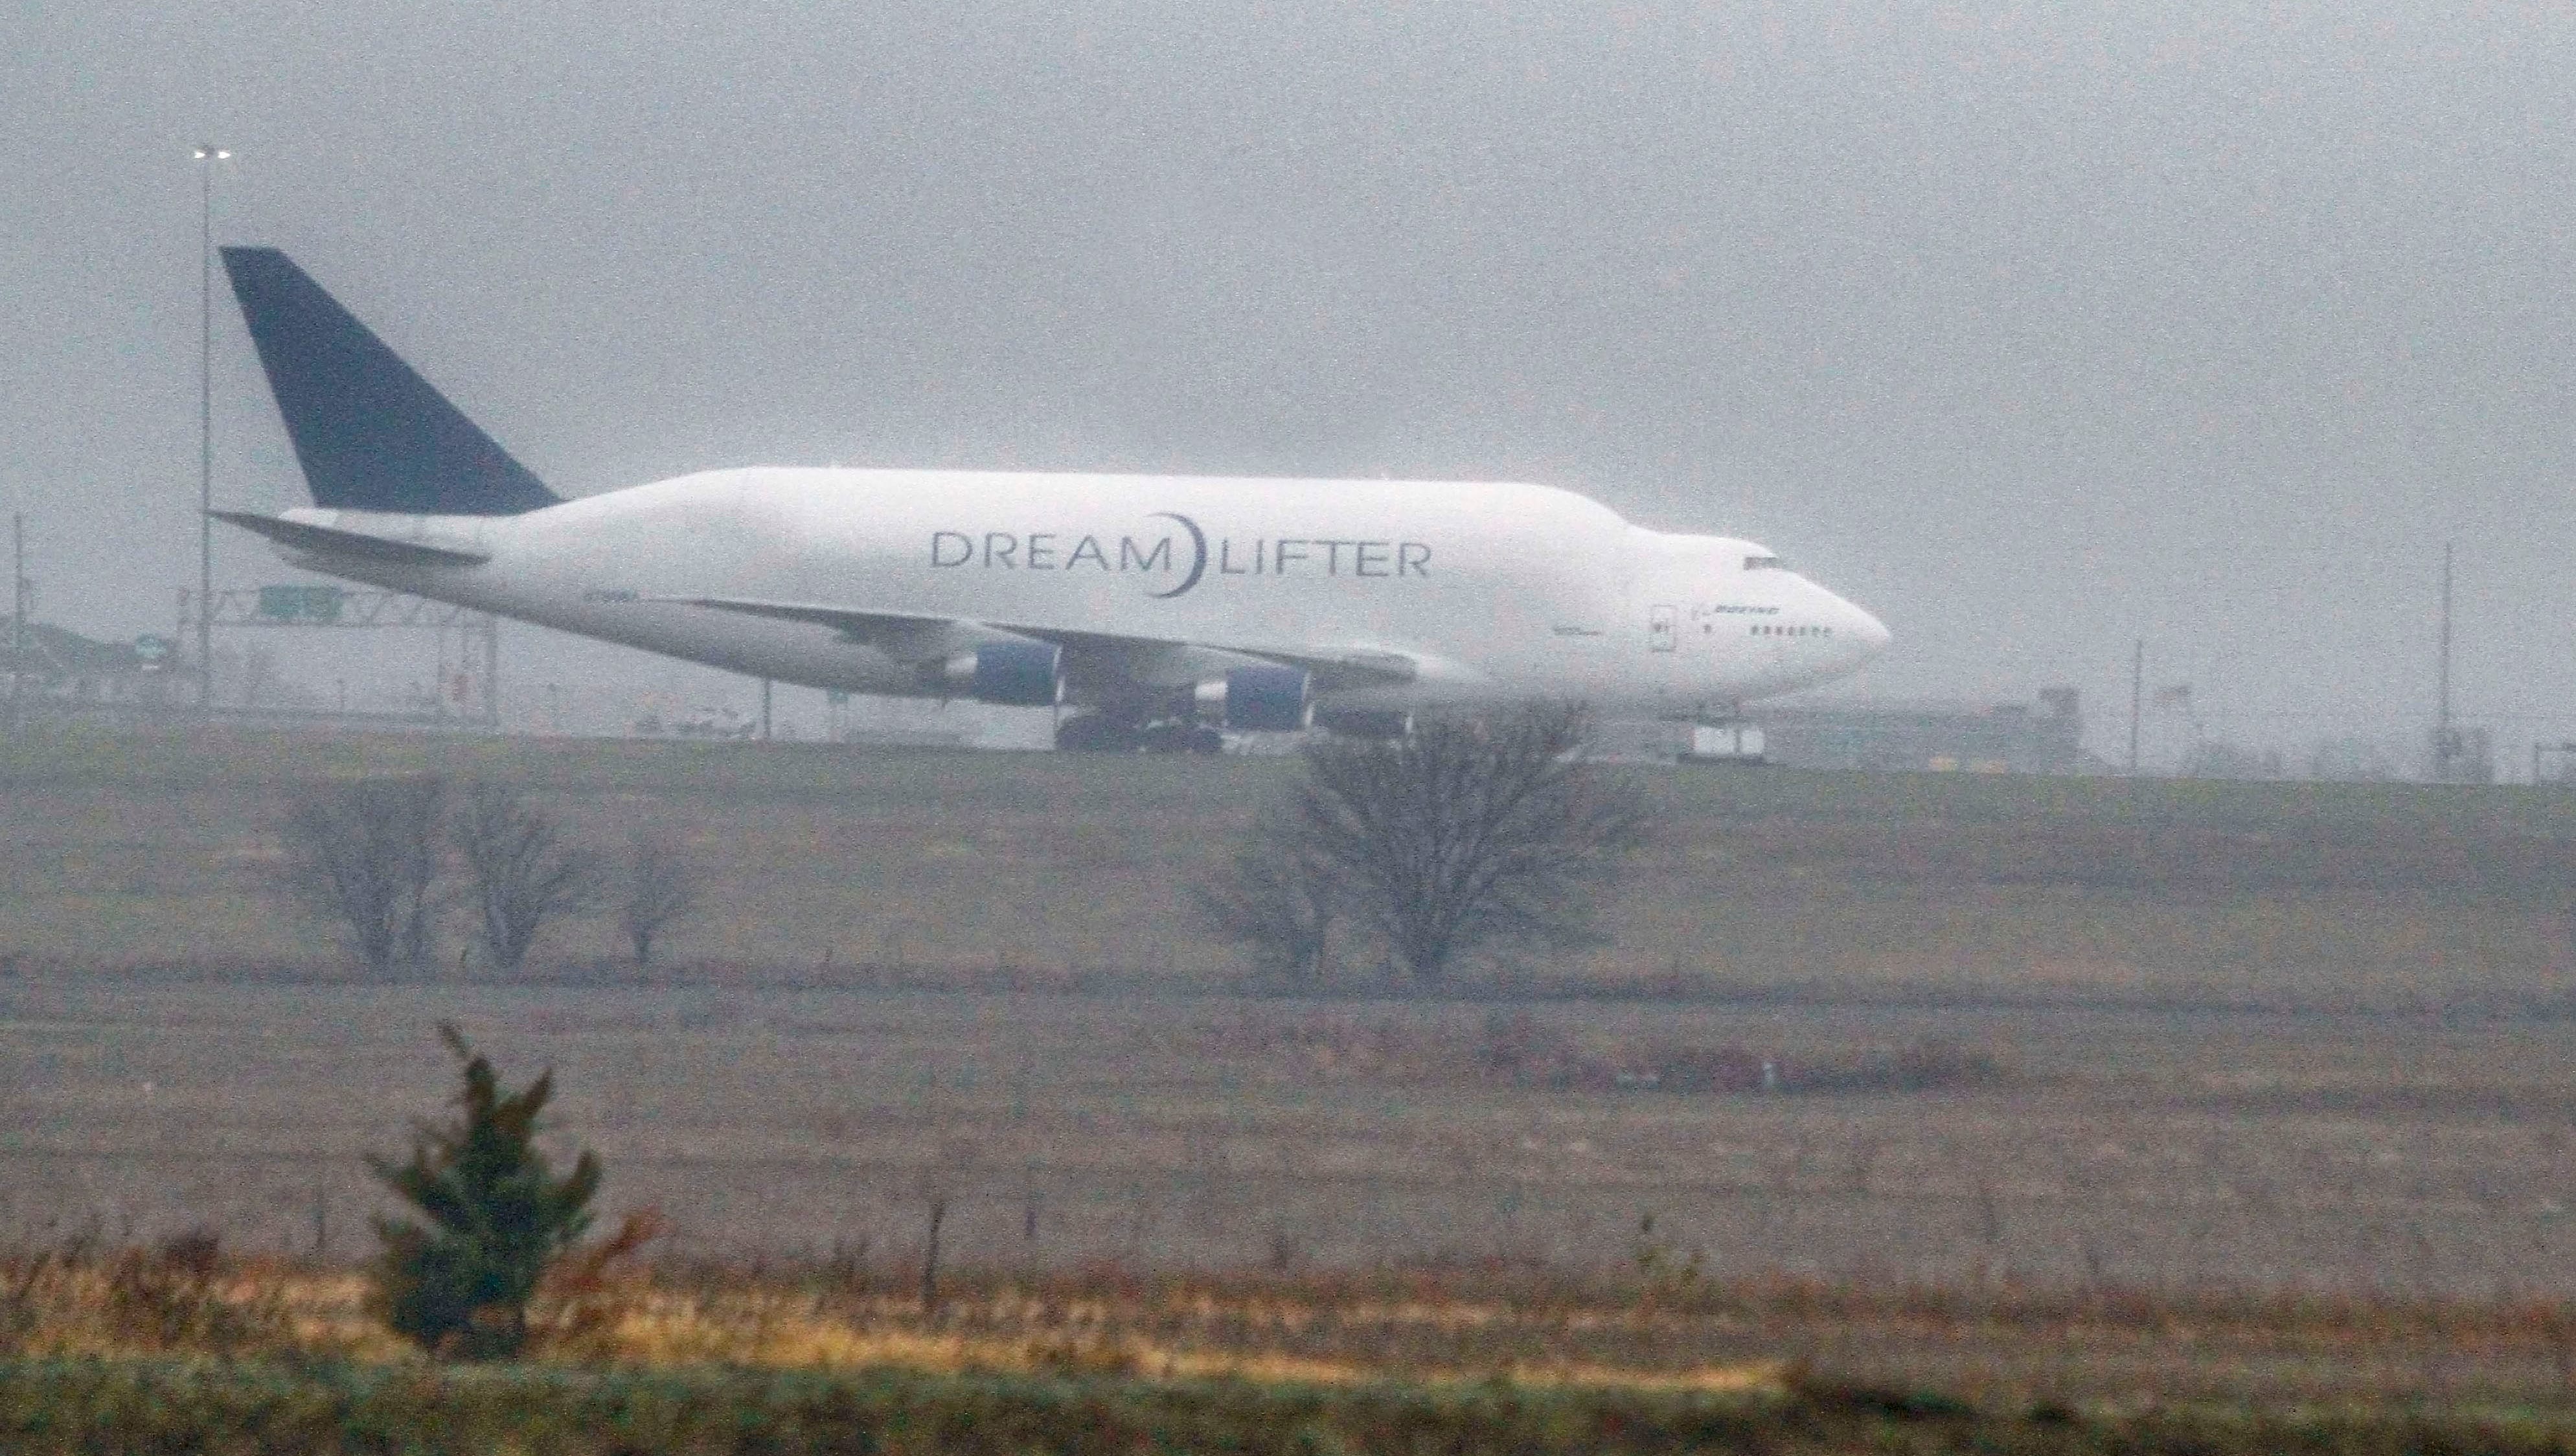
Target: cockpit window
(1765, 563)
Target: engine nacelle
(1012, 674)
(1258, 699)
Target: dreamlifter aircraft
(1164, 607)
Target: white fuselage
(1487, 592)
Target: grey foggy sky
(2033, 329)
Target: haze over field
(2032, 330)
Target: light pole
(207, 156)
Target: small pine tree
(492, 1218)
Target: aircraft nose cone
(1867, 635)
(1872, 632)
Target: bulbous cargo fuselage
(1461, 591)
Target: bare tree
(1277, 898)
(364, 854)
(520, 872)
(657, 886)
(1466, 835)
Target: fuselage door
(1662, 627)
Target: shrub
(522, 873)
(492, 1218)
(1461, 837)
(1468, 835)
(657, 887)
(1926, 1066)
(1530, 1053)
(166, 1298)
(179, 1296)
(1279, 899)
(365, 855)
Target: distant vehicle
(1155, 605)
(703, 722)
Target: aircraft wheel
(1094, 733)
(1164, 738)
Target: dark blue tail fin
(372, 435)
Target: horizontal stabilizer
(330, 541)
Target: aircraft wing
(915, 635)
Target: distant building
(2046, 737)
(47, 667)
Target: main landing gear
(1100, 733)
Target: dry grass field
(1007, 870)
(2125, 1148)
(1649, 1333)
(2076, 1086)
(2215, 1205)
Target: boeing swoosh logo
(1198, 554)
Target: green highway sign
(319, 605)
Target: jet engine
(1013, 674)
(1258, 699)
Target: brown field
(2247, 1088)
(1045, 870)
(2003, 1350)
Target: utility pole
(765, 685)
(492, 673)
(2137, 698)
(207, 156)
(2443, 752)
(18, 595)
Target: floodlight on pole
(207, 154)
